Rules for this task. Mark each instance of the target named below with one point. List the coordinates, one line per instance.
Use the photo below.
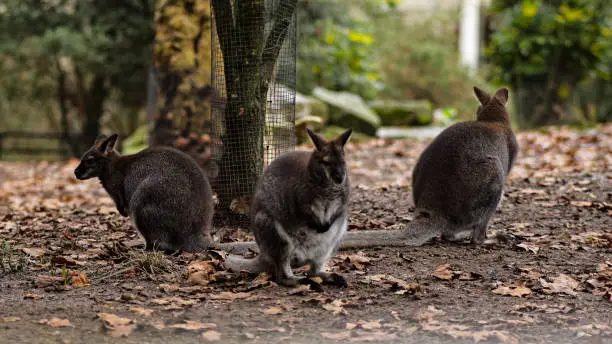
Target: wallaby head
(492, 107)
(327, 160)
(95, 158)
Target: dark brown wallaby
(458, 180)
(163, 190)
(299, 213)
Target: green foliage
(88, 50)
(535, 36)
(337, 49)
(419, 60)
(546, 49)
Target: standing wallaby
(299, 213)
(162, 189)
(458, 180)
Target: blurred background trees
(81, 67)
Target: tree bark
(94, 108)
(248, 62)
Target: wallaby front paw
(335, 279)
(314, 286)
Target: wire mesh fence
(253, 77)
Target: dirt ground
(72, 270)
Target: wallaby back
(299, 212)
(457, 181)
(164, 191)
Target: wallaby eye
(326, 158)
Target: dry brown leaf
(211, 336)
(228, 295)
(302, 289)
(119, 331)
(376, 336)
(142, 311)
(113, 320)
(444, 272)
(272, 310)
(34, 251)
(429, 313)
(61, 260)
(561, 284)
(56, 322)
(517, 291)
(366, 325)
(529, 246)
(336, 335)
(45, 281)
(32, 296)
(162, 302)
(9, 319)
(336, 307)
(194, 326)
(207, 266)
(158, 324)
(199, 277)
(169, 288)
(79, 279)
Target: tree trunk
(94, 108)
(248, 65)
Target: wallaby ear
(108, 144)
(483, 97)
(502, 94)
(344, 137)
(317, 140)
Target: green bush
(419, 60)
(337, 49)
(545, 48)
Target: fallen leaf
(60, 260)
(34, 251)
(562, 284)
(194, 326)
(142, 311)
(119, 331)
(113, 320)
(529, 246)
(272, 311)
(581, 203)
(79, 279)
(169, 288)
(303, 289)
(376, 336)
(429, 313)
(336, 307)
(228, 295)
(45, 281)
(56, 322)
(444, 272)
(32, 296)
(211, 336)
(9, 319)
(336, 335)
(517, 291)
(366, 325)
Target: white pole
(469, 35)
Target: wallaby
(163, 190)
(458, 180)
(299, 213)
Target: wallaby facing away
(162, 189)
(299, 213)
(458, 180)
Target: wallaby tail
(417, 234)
(238, 263)
(237, 247)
